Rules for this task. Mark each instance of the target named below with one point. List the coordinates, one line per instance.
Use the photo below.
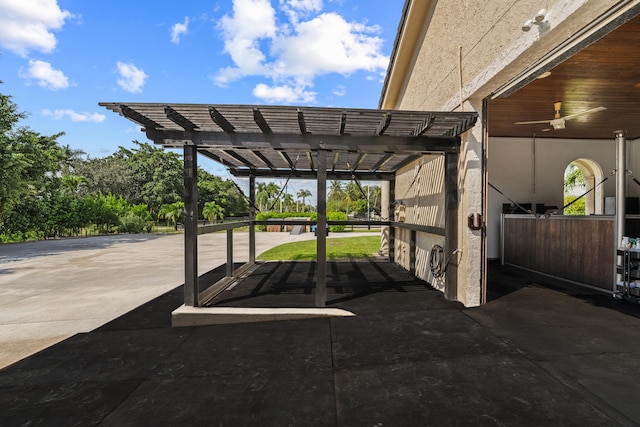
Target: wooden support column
(229, 272)
(412, 251)
(392, 230)
(385, 206)
(252, 218)
(321, 231)
(191, 226)
(452, 222)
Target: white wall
(514, 170)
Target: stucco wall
(420, 189)
(488, 38)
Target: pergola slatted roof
(274, 141)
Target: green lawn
(337, 248)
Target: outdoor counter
(580, 249)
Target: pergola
(297, 142)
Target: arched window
(581, 176)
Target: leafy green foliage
(28, 160)
(573, 178)
(172, 212)
(577, 208)
(213, 211)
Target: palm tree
(287, 201)
(262, 196)
(172, 212)
(303, 194)
(213, 211)
(336, 192)
(273, 190)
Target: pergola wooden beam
(261, 122)
(179, 119)
(220, 120)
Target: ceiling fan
(558, 122)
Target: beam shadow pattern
(349, 285)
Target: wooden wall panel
(579, 249)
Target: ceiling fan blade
(535, 122)
(593, 110)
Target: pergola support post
(191, 226)
(321, 231)
(385, 204)
(452, 221)
(229, 271)
(392, 230)
(252, 218)
(621, 180)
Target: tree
(224, 193)
(28, 160)
(144, 174)
(573, 178)
(287, 201)
(213, 211)
(574, 182)
(172, 213)
(303, 194)
(336, 192)
(273, 190)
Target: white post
(621, 178)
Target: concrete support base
(201, 316)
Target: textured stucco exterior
(460, 52)
(419, 191)
(486, 39)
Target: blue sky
(58, 59)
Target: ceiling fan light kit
(558, 121)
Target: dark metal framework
(294, 142)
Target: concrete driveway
(51, 290)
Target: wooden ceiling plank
(241, 159)
(336, 156)
(287, 159)
(359, 160)
(215, 158)
(381, 162)
(264, 159)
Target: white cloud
(252, 21)
(45, 75)
(340, 91)
(179, 29)
(284, 93)
(75, 117)
(27, 25)
(131, 77)
(297, 9)
(309, 45)
(329, 44)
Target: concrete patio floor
(541, 352)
